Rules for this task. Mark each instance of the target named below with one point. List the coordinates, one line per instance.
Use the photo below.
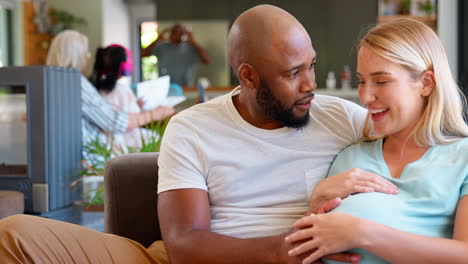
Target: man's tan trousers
(31, 239)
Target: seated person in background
(70, 49)
(177, 57)
(112, 66)
(415, 104)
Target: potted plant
(427, 7)
(63, 20)
(406, 7)
(92, 175)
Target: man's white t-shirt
(259, 181)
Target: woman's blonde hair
(69, 49)
(417, 48)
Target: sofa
(130, 187)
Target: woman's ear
(428, 83)
(248, 76)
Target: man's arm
(148, 50)
(184, 216)
(204, 57)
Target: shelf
(36, 44)
(431, 21)
(348, 93)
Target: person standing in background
(177, 57)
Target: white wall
(115, 23)
(447, 29)
(108, 20)
(91, 10)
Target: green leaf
(102, 152)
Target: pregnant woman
(414, 103)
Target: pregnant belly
(377, 207)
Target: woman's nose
(366, 94)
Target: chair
(130, 187)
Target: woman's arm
(146, 117)
(401, 247)
(336, 232)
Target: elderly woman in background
(414, 103)
(70, 49)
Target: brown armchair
(130, 208)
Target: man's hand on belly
(341, 257)
(324, 234)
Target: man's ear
(428, 83)
(248, 76)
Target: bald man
(235, 173)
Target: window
(149, 33)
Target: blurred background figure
(112, 68)
(70, 49)
(177, 56)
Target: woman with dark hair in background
(112, 67)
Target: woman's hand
(326, 234)
(348, 182)
(140, 102)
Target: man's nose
(309, 84)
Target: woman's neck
(399, 152)
(396, 144)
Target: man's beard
(273, 108)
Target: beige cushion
(11, 203)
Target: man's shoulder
(210, 109)
(332, 105)
(340, 118)
(361, 146)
